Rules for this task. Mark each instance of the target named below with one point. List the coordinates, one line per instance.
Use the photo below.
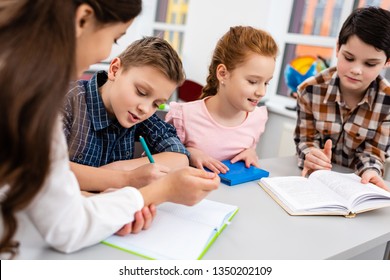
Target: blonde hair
(155, 52)
(233, 49)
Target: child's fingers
(125, 230)
(328, 149)
(316, 159)
(148, 217)
(255, 163)
(138, 222)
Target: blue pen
(147, 151)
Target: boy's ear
(337, 49)
(83, 18)
(222, 72)
(115, 65)
(387, 64)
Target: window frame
(280, 32)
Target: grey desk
(260, 230)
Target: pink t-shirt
(197, 129)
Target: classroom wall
(208, 20)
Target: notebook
(238, 173)
(178, 231)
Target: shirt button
(80, 156)
(127, 153)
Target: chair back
(189, 91)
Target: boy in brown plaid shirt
(344, 111)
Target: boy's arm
(171, 160)
(99, 179)
(305, 131)
(161, 137)
(375, 150)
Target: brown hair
(233, 49)
(37, 53)
(155, 52)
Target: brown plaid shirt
(360, 135)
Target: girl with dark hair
(43, 45)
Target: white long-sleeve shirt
(69, 221)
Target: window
(310, 30)
(170, 20)
(309, 37)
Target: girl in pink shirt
(227, 122)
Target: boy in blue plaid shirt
(103, 117)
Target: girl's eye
(252, 82)
(370, 65)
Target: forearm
(369, 161)
(98, 179)
(304, 134)
(170, 159)
(375, 150)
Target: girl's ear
(115, 65)
(83, 18)
(222, 72)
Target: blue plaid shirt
(95, 140)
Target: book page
(300, 193)
(169, 237)
(177, 231)
(212, 213)
(348, 186)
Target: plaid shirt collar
(333, 92)
(97, 111)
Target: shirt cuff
(138, 198)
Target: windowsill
(278, 104)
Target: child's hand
(145, 174)
(249, 156)
(200, 160)
(189, 185)
(318, 159)
(142, 221)
(371, 176)
(186, 186)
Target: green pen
(147, 151)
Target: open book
(178, 231)
(325, 192)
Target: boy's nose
(356, 70)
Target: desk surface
(260, 230)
